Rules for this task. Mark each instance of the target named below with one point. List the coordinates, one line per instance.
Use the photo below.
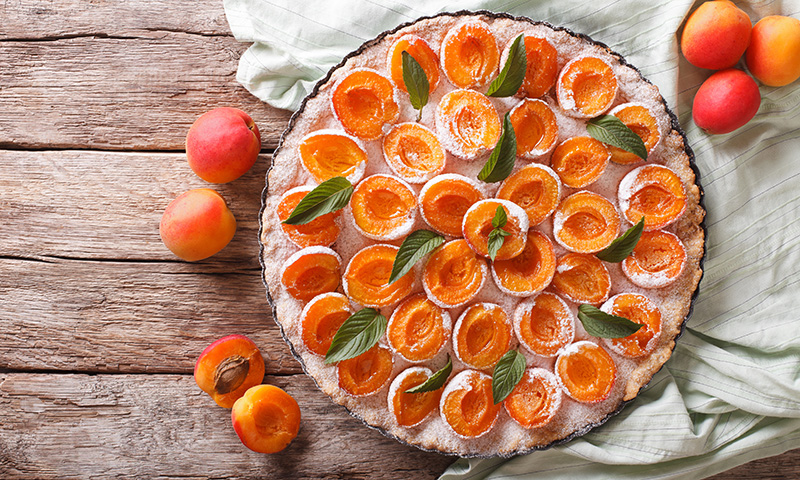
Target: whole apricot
(197, 224)
(266, 419)
(716, 35)
(228, 368)
(774, 53)
(222, 145)
(725, 101)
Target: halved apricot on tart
(657, 260)
(411, 409)
(418, 329)
(467, 123)
(478, 224)
(482, 334)
(322, 231)
(544, 324)
(542, 66)
(586, 372)
(638, 309)
(384, 207)
(454, 274)
(366, 279)
(366, 373)
(536, 188)
(445, 199)
(654, 192)
(643, 123)
(580, 161)
(413, 152)
(529, 272)
(586, 87)
(535, 400)
(582, 278)
(331, 153)
(535, 128)
(311, 272)
(585, 222)
(363, 101)
(321, 319)
(469, 54)
(467, 406)
(422, 53)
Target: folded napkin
(731, 391)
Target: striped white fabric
(731, 391)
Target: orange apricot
(363, 101)
(322, 231)
(773, 56)
(544, 324)
(482, 335)
(366, 373)
(445, 199)
(454, 274)
(266, 419)
(222, 144)
(586, 372)
(586, 87)
(653, 192)
(536, 188)
(478, 224)
(418, 329)
(413, 152)
(535, 400)
(582, 278)
(366, 279)
(716, 35)
(467, 405)
(643, 123)
(542, 66)
(657, 260)
(384, 207)
(580, 161)
(411, 409)
(422, 53)
(638, 309)
(331, 153)
(311, 272)
(321, 319)
(585, 222)
(535, 128)
(529, 272)
(228, 367)
(467, 123)
(469, 54)
(197, 224)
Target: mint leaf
(360, 332)
(510, 79)
(507, 374)
(622, 246)
(601, 324)
(610, 129)
(435, 381)
(497, 235)
(416, 82)
(329, 196)
(415, 246)
(501, 161)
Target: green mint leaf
(360, 332)
(435, 381)
(501, 161)
(513, 73)
(416, 82)
(329, 196)
(500, 218)
(622, 246)
(507, 374)
(498, 236)
(610, 129)
(601, 324)
(415, 246)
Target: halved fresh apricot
(266, 419)
(384, 207)
(544, 324)
(654, 192)
(482, 335)
(536, 188)
(445, 199)
(478, 224)
(586, 87)
(363, 101)
(411, 409)
(322, 231)
(454, 274)
(228, 368)
(585, 222)
(366, 373)
(580, 161)
(529, 272)
(586, 372)
(639, 309)
(311, 272)
(418, 329)
(467, 123)
(656, 261)
(582, 278)
(535, 400)
(367, 276)
(332, 153)
(643, 123)
(413, 152)
(421, 52)
(542, 66)
(467, 406)
(469, 54)
(321, 319)
(535, 128)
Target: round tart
(568, 196)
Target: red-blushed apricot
(413, 152)
(643, 123)
(454, 274)
(384, 207)
(478, 224)
(366, 279)
(773, 56)
(482, 335)
(715, 35)
(653, 192)
(586, 87)
(542, 66)
(310, 272)
(469, 54)
(222, 145)
(228, 367)
(586, 372)
(536, 188)
(529, 272)
(411, 409)
(363, 101)
(321, 319)
(322, 231)
(421, 52)
(197, 224)
(585, 222)
(535, 400)
(445, 199)
(467, 123)
(266, 419)
(639, 309)
(332, 153)
(366, 373)
(582, 278)
(726, 101)
(418, 329)
(467, 406)
(544, 324)
(535, 128)
(580, 161)
(657, 260)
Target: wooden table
(100, 324)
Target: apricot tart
(468, 302)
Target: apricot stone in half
(322, 231)
(582, 278)
(536, 188)
(418, 329)
(411, 409)
(367, 373)
(366, 279)
(544, 324)
(586, 87)
(384, 207)
(363, 101)
(228, 367)
(482, 334)
(266, 419)
(331, 153)
(478, 225)
(535, 128)
(657, 260)
(542, 66)
(580, 161)
(535, 400)
(421, 52)
(643, 123)
(585, 222)
(467, 123)
(311, 272)
(469, 54)
(454, 274)
(529, 272)
(653, 192)
(467, 406)
(586, 372)
(321, 319)
(445, 199)
(638, 309)
(413, 152)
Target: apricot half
(454, 274)
(411, 409)
(478, 224)
(535, 400)
(467, 123)
(657, 260)
(542, 66)
(586, 87)
(311, 272)
(536, 188)
(586, 372)
(643, 123)
(582, 278)
(653, 192)
(585, 222)
(422, 53)
(445, 199)
(580, 161)
(467, 406)
(384, 207)
(418, 329)
(482, 335)
(228, 367)
(366, 373)
(331, 153)
(638, 309)
(413, 152)
(544, 324)
(469, 54)
(535, 128)
(529, 272)
(266, 419)
(321, 319)
(366, 279)
(322, 231)
(363, 101)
